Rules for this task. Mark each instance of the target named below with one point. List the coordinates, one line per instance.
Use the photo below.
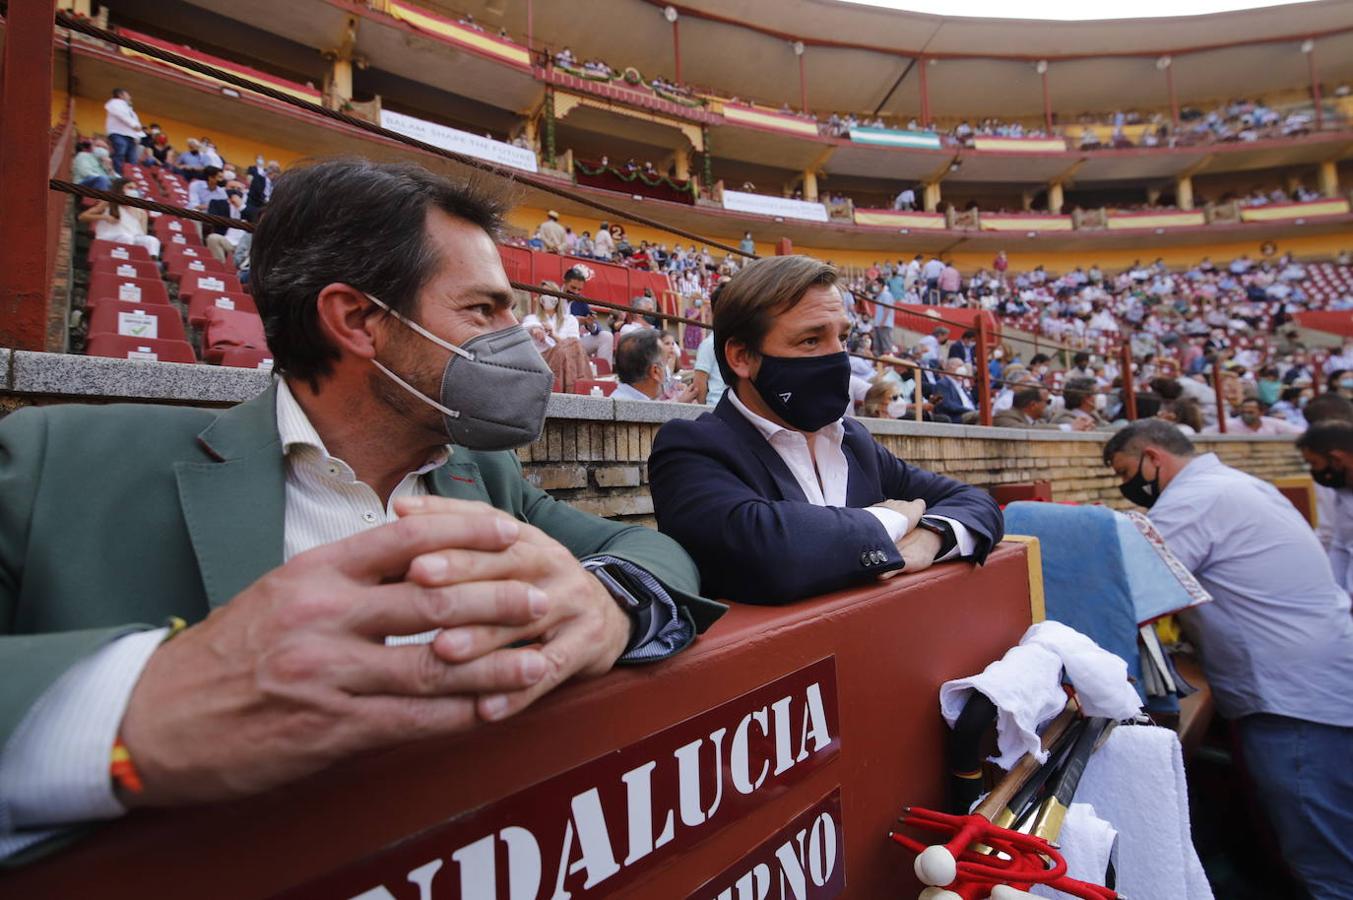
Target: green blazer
(113, 518)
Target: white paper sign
(189, 252)
(211, 284)
(179, 239)
(197, 266)
(130, 292)
(143, 353)
(225, 303)
(138, 324)
(118, 253)
(126, 271)
(783, 207)
(459, 141)
(175, 226)
(265, 365)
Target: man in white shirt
(359, 556)
(123, 128)
(774, 493)
(552, 234)
(1276, 640)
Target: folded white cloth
(1026, 687)
(1088, 845)
(1136, 782)
(1100, 677)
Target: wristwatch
(940, 527)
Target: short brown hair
(750, 301)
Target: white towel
(1136, 782)
(1025, 685)
(1088, 845)
(1100, 677)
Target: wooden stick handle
(1021, 771)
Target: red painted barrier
(806, 727)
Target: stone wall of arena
(593, 451)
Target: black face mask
(1330, 477)
(1140, 491)
(808, 392)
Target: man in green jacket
(356, 553)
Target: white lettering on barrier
(659, 808)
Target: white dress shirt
(121, 119)
(825, 483)
(1278, 637)
(54, 769)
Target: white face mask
(897, 409)
(549, 302)
(132, 192)
(1100, 401)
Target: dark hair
(356, 222)
(115, 187)
(636, 353)
(750, 301)
(1326, 408)
(1026, 397)
(119, 90)
(1148, 433)
(970, 334)
(1332, 382)
(1327, 436)
(1080, 360)
(1167, 388)
(574, 274)
(1039, 359)
(1076, 391)
(208, 171)
(1147, 405)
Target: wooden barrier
(824, 717)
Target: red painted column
(1315, 90)
(26, 114)
(676, 47)
(1129, 384)
(922, 62)
(1222, 411)
(982, 375)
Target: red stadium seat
(111, 286)
(602, 366)
(119, 346)
(201, 301)
(585, 385)
(185, 238)
(168, 226)
(230, 329)
(114, 250)
(177, 266)
(247, 358)
(193, 283)
(137, 320)
(128, 268)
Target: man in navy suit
(952, 397)
(775, 495)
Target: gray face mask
(494, 390)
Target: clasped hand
(293, 674)
(918, 546)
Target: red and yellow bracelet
(120, 766)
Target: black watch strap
(948, 540)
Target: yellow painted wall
(89, 118)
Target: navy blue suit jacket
(951, 400)
(729, 499)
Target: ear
(1343, 458)
(349, 321)
(743, 360)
